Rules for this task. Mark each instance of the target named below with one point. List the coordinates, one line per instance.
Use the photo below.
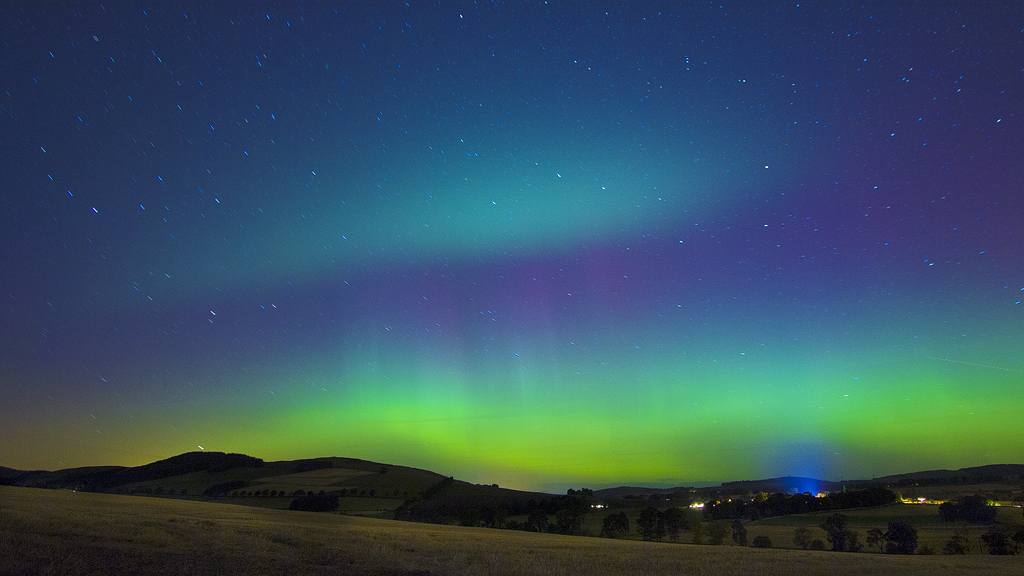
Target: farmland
(65, 532)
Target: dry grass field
(74, 533)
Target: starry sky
(542, 244)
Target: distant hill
(108, 478)
(249, 480)
(793, 484)
(1002, 471)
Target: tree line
(780, 504)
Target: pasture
(75, 533)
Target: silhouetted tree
(900, 538)
(716, 533)
(698, 531)
(817, 544)
(651, 524)
(802, 537)
(998, 541)
(876, 538)
(837, 532)
(537, 521)
(957, 544)
(739, 533)
(762, 542)
(972, 509)
(675, 520)
(500, 517)
(615, 525)
(569, 521)
(469, 517)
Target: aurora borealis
(534, 243)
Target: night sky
(542, 244)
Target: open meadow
(76, 533)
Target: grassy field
(75, 533)
(931, 530)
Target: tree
(651, 524)
(802, 537)
(817, 544)
(876, 538)
(739, 533)
(537, 521)
(957, 544)
(716, 533)
(973, 509)
(698, 532)
(615, 525)
(900, 538)
(998, 540)
(675, 521)
(469, 517)
(836, 531)
(853, 541)
(762, 542)
(569, 521)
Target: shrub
(956, 545)
(762, 542)
(817, 544)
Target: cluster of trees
(654, 524)
(998, 539)
(899, 537)
(780, 504)
(557, 514)
(970, 509)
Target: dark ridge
(101, 478)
